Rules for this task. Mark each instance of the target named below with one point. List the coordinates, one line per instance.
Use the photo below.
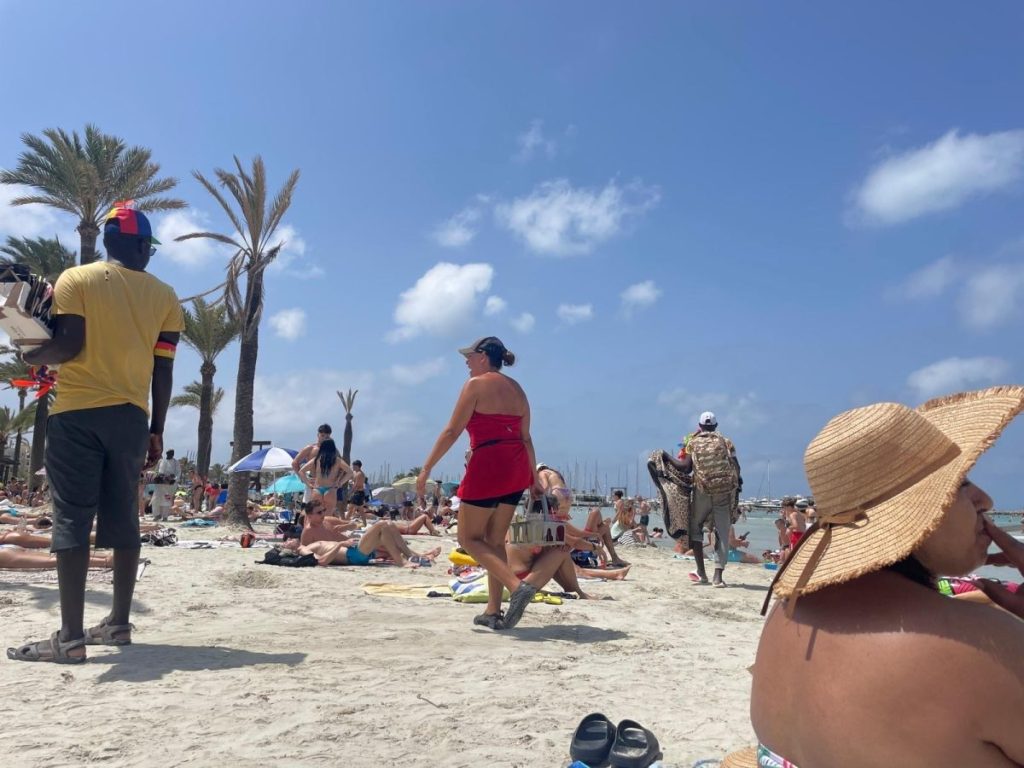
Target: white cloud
(575, 313)
(732, 411)
(561, 220)
(957, 373)
(931, 281)
(524, 323)
(533, 140)
(940, 176)
(992, 296)
(291, 259)
(639, 296)
(34, 220)
(191, 254)
(289, 323)
(495, 305)
(442, 302)
(417, 372)
(460, 229)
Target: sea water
(763, 535)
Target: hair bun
(508, 358)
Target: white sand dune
(240, 664)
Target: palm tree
(254, 223)
(46, 257)
(217, 472)
(86, 177)
(15, 368)
(192, 397)
(347, 401)
(208, 330)
(12, 422)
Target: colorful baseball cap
(123, 219)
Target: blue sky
(772, 212)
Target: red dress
(499, 465)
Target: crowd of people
(893, 510)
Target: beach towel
(407, 591)
(475, 591)
(674, 488)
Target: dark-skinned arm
(68, 340)
(163, 382)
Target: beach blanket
(406, 591)
(674, 488)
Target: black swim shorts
(358, 498)
(93, 460)
(508, 498)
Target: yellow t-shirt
(125, 311)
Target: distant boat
(589, 500)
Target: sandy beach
(244, 664)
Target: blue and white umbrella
(265, 460)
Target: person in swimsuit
(326, 473)
(380, 535)
(323, 432)
(860, 627)
(545, 564)
(357, 502)
(494, 410)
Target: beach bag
(162, 537)
(288, 559)
(714, 471)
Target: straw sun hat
(883, 477)
(743, 758)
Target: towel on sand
(408, 591)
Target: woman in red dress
(494, 410)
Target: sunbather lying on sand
(380, 535)
(17, 558)
(33, 539)
(317, 527)
(414, 526)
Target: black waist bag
(287, 559)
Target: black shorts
(93, 460)
(508, 498)
(358, 498)
(644, 519)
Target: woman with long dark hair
(494, 410)
(326, 473)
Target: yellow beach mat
(407, 591)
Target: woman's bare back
(497, 393)
(881, 672)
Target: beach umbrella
(265, 460)
(287, 484)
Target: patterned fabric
(714, 470)
(674, 488)
(768, 759)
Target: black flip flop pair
(598, 742)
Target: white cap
(707, 419)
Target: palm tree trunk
(38, 441)
(205, 441)
(87, 233)
(346, 450)
(238, 485)
(17, 440)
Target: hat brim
(742, 758)
(467, 351)
(894, 528)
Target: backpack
(287, 558)
(714, 471)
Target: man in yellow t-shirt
(115, 334)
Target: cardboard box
(17, 322)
